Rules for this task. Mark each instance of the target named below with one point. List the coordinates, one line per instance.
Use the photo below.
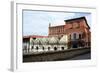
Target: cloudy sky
(37, 22)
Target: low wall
(57, 55)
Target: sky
(37, 22)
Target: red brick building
(77, 29)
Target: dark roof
(78, 19)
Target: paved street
(83, 56)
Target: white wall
(5, 36)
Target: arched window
(43, 48)
(55, 48)
(48, 48)
(37, 48)
(74, 36)
(62, 48)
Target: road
(83, 56)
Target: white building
(45, 44)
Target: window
(32, 47)
(55, 48)
(43, 48)
(62, 48)
(70, 37)
(37, 48)
(34, 38)
(74, 37)
(48, 48)
(80, 36)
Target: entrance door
(74, 45)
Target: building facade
(41, 44)
(77, 30)
(75, 33)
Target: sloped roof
(64, 39)
(54, 40)
(37, 40)
(44, 40)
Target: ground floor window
(48, 48)
(37, 48)
(62, 48)
(55, 48)
(32, 47)
(43, 48)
